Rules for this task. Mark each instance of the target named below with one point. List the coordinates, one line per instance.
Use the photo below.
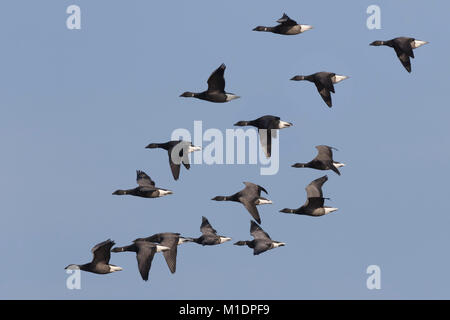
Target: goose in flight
(286, 26)
(250, 197)
(403, 47)
(209, 235)
(170, 240)
(145, 251)
(267, 128)
(100, 261)
(216, 88)
(178, 151)
(146, 188)
(324, 82)
(314, 205)
(261, 240)
(323, 160)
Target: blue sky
(79, 106)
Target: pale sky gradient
(79, 106)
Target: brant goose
(323, 160)
(209, 235)
(267, 127)
(250, 196)
(144, 253)
(262, 241)
(324, 83)
(216, 88)
(314, 204)
(403, 47)
(286, 26)
(170, 240)
(100, 261)
(146, 188)
(178, 151)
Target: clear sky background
(79, 106)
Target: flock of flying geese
(250, 196)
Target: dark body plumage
(261, 242)
(323, 160)
(286, 26)
(216, 88)
(100, 261)
(403, 47)
(250, 196)
(170, 240)
(178, 152)
(314, 205)
(267, 128)
(145, 251)
(146, 188)
(209, 235)
(324, 82)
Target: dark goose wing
(265, 137)
(171, 241)
(314, 189)
(404, 58)
(143, 179)
(216, 81)
(286, 21)
(324, 93)
(206, 228)
(324, 85)
(174, 167)
(252, 189)
(144, 256)
(257, 232)
(251, 208)
(325, 155)
(102, 252)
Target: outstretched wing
(325, 153)
(251, 208)
(206, 228)
(170, 241)
(265, 137)
(143, 179)
(324, 93)
(286, 21)
(102, 252)
(144, 257)
(253, 189)
(404, 58)
(257, 232)
(216, 81)
(314, 189)
(175, 168)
